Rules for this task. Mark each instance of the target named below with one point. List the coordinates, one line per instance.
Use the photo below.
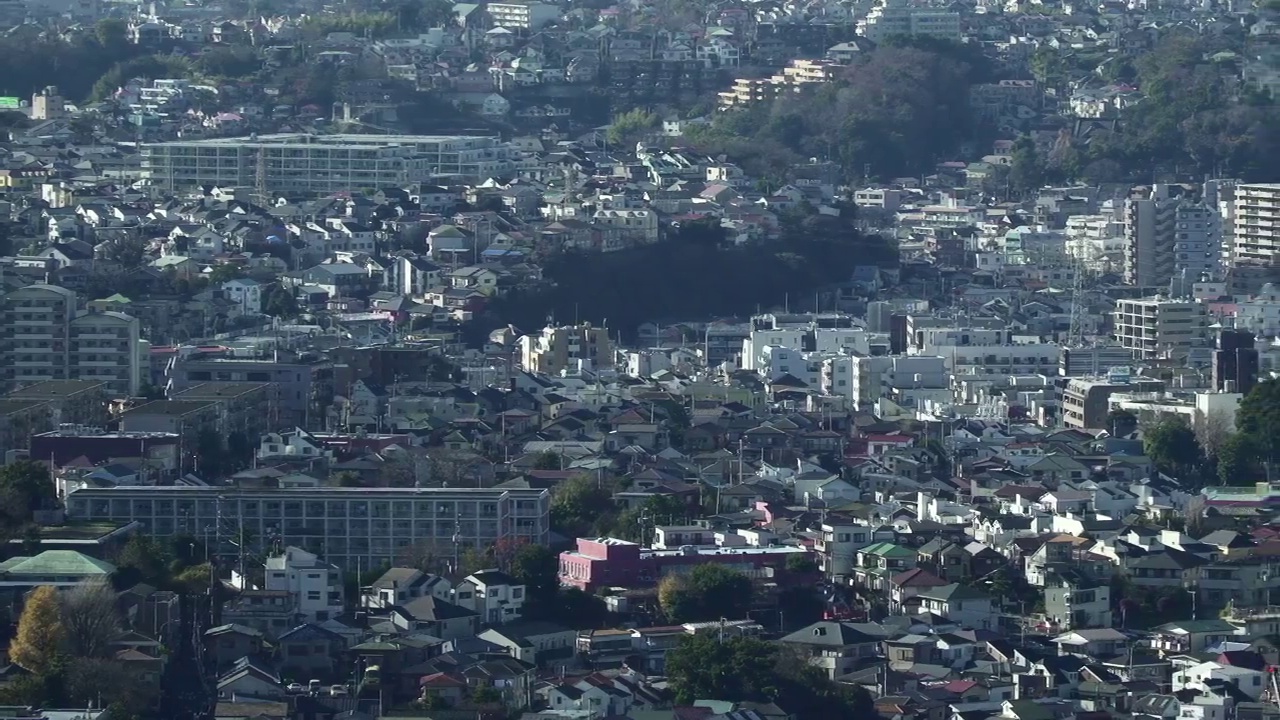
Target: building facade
(365, 527)
(1156, 328)
(324, 164)
(559, 348)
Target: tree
(224, 273)
(25, 487)
(629, 126)
(739, 669)
(41, 635)
(147, 557)
(1259, 418)
(90, 619)
(548, 460)
(1171, 445)
(196, 579)
(280, 303)
(99, 682)
(1239, 460)
(1212, 432)
(578, 506)
(211, 458)
(1026, 168)
(538, 568)
(801, 564)
(580, 610)
(708, 592)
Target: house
(837, 647)
(246, 294)
(315, 585)
(228, 643)
(309, 650)
(960, 604)
(1092, 642)
(437, 617)
(595, 694)
(494, 596)
(533, 642)
(399, 585)
(1191, 636)
(249, 679)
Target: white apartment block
(324, 164)
(1260, 314)
(106, 346)
(1156, 328)
(316, 586)
(350, 527)
(566, 348)
(895, 17)
(907, 381)
(1256, 227)
(759, 347)
(522, 15)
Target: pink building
(609, 562)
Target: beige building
(43, 338)
(106, 346)
(1256, 226)
(34, 322)
(1157, 328)
(1087, 401)
(555, 349)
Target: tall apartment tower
(1255, 247)
(1150, 232)
(34, 322)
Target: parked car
(338, 691)
(295, 688)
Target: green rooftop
(889, 550)
(96, 532)
(56, 563)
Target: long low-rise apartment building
(350, 527)
(323, 164)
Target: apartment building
(793, 78)
(303, 387)
(1158, 327)
(247, 408)
(107, 347)
(34, 323)
(1256, 227)
(324, 164)
(42, 338)
(522, 15)
(1086, 401)
(891, 18)
(349, 527)
(554, 349)
(1148, 231)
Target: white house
(960, 604)
(245, 293)
(315, 585)
(494, 595)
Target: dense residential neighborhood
(666, 360)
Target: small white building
(494, 595)
(315, 585)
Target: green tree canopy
(25, 487)
(707, 592)
(579, 504)
(1259, 418)
(1172, 446)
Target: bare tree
(91, 619)
(1212, 430)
